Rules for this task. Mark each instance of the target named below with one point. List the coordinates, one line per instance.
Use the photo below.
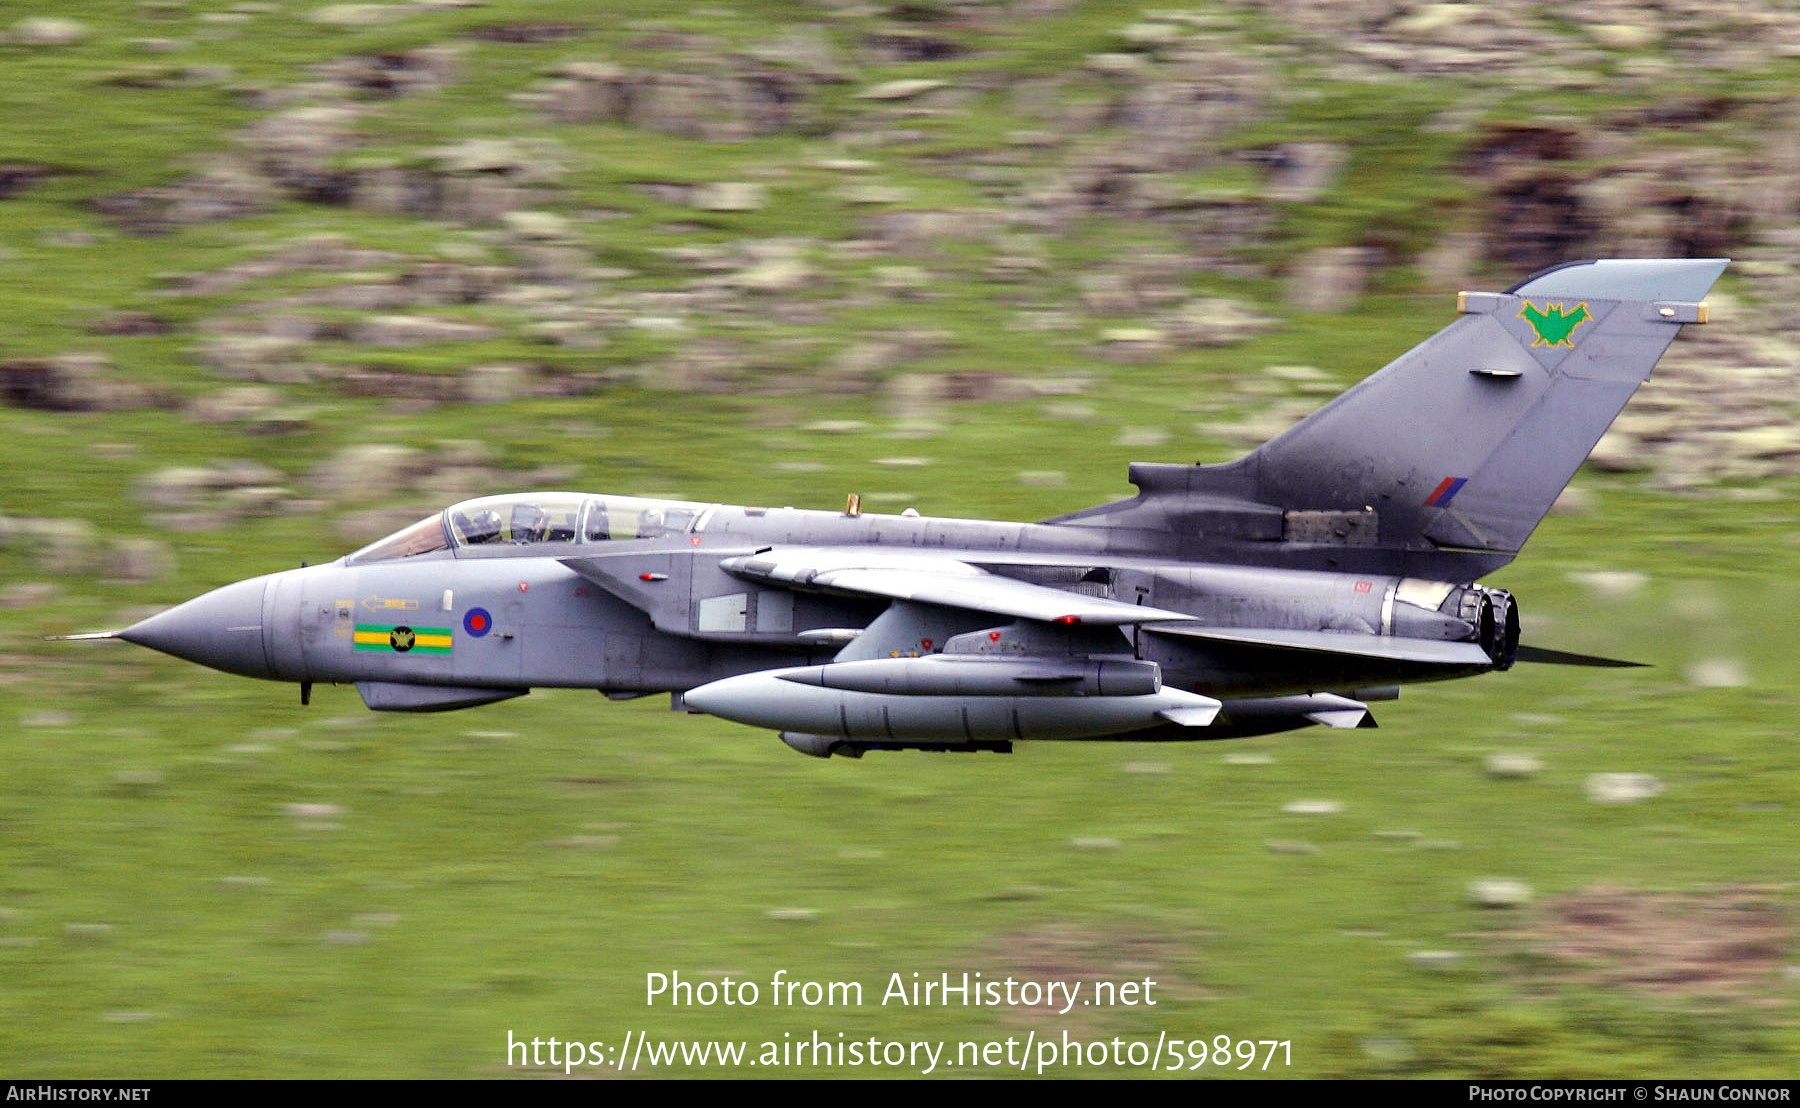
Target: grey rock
(74, 383)
(256, 500)
(406, 330)
(906, 88)
(1499, 892)
(530, 163)
(175, 486)
(1303, 171)
(1512, 764)
(1328, 280)
(47, 30)
(1620, 451)
(367, 472)
(28, 594)
(1313, 807)
(1718, 673)
(1214, 321)
(253, 357)
(1611, 584)
(495, 384)
(242, 472)
(238, 404)
(139, 560)
(357, 15)
(65, 546)
(547, 226)
(1621, 788)
(728, 196)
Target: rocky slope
(450, 203)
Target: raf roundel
(477, 622)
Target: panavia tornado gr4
(1286, 589)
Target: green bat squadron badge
(1552, 325)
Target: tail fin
(1463, 443)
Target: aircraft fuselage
(662, 614)
(1326, 568)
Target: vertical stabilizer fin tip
(1685, 279)
(1463, 443)
(1449, 457)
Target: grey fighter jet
(1286, 589)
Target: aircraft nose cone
(221, 629)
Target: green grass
(524, 867)
(521, 868)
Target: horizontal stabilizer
(1387, 647)
(1543, 656)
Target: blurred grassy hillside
(279, 277)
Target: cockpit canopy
(533, 518)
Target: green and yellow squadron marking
(1552, 325)
(403, 640)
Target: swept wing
(941, 579)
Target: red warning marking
(1364, 586)
(926, 643)
(993, 636)
(694, 540)
(524, 586)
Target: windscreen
(422, 537)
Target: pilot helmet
(485, 527)
(528, 522)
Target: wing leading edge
(943, 580)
